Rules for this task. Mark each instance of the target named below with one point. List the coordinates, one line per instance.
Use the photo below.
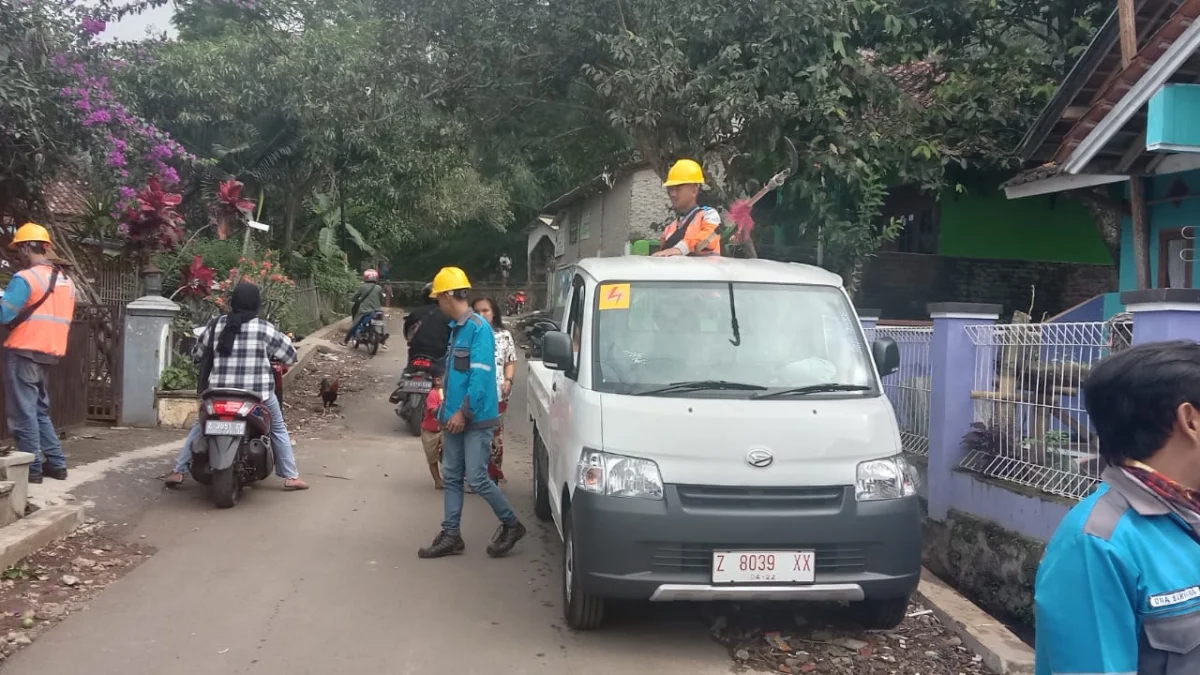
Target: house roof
(1097, 84)
(66, 196)
(597, 185)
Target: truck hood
(706, 441)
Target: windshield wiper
(813, 389)
(698, 385)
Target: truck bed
(538, 392)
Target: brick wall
(902, 284)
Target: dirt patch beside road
(823, 639)
(59, 580)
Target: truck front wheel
(583, 611)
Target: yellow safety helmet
(685, 172)
(449, 279)
(30, 232)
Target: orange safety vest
(698, 228)
(46, 329)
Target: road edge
(26, 536)
(1002, 651)
(310, 346)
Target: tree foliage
(397, 126)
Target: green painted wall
(985, 224)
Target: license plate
(419, 386)
(731, 567)
(224, 428)
(376, 322)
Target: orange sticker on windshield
(614, 296)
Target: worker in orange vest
(695, 230)
(37, 306)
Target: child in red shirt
(431, 431)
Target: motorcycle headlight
(618, 476)
(889, 478)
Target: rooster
(329, 393)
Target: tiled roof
(916, 78)
(65, 196)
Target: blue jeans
(27, 404)
(466, 454)
(363, 322)
(281, 444)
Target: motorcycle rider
(241, 346)
(696, 228)
(368, 299)
(426, 329)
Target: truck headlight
(618, 476)
(889, 478)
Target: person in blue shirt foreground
(1118, 591)
(470, 412)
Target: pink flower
(116, 159)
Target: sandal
(173, 479)
(293, 484)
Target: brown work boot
(444, 544)
(506, 538)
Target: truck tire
(583, 611)
(226, 487)
(541, 496)
(880, 614)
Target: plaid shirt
(248, 366)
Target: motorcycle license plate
(224, 428)
(377, 322)
(418, 386)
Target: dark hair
(38, 247)
(1132, 397)
(243, 306)
(497, 315)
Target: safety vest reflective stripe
(47, 328)
(55, 319)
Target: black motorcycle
(373, 333)
(409, 397)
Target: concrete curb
(27, 535)
(310, 346)
(1002, 652)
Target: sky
(134, 27)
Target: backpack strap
(28, 311)
(683, 224)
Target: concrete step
(14, 469)
(7, 516)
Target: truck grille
(791, 499)
(834, 559)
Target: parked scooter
(409, 397)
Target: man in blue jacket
(1118, 592)
(470, 411)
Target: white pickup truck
(715, 429)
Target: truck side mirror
(886, 354)
(556, 351)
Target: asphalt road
(328, 581)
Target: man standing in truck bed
(696, 228)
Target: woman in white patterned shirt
(506, 368)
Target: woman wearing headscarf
(241, 346)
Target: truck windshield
(754, 338)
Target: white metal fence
(1030, 426)
(908, 388)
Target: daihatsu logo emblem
(759, 458)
